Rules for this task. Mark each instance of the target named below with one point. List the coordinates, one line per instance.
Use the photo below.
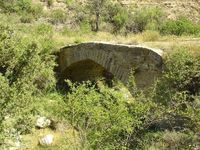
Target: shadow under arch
(85, 70)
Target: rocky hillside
(173, 8)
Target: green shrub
(26, 71)
(15, 6)
(146, 18)
(58, 16)
(26, 18)
(8, 6)
(49, 3)
(23, 5)
(180, 27)
(44, 29)
(36, 10)
(84, 26)
(178, 88)
(182, 74)
(69, 2)
(117, 15)
(101, 116)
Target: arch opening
(86, 70)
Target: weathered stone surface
(46, 140)
(118, 59)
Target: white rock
(43, 122)
(46, 140)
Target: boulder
(42, 122)
(46, 140)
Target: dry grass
(147, 38)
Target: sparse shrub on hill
(58, 16)
(117, 15)
(49, 3)
(36, 10)
(23, 5)
(145, 18)
(26, 18)
(69, 2)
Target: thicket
(26, 71)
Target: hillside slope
(173, 8)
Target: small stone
(43, 122)
(46, 140)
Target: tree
(96, 9)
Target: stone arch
(118, 59)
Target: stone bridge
(88, 60)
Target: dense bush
(101, 117)
(171, 115)
(180, 27)
(26, 70)
(178, 89)
(182, 75)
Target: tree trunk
(97, 22)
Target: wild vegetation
(97, 116)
